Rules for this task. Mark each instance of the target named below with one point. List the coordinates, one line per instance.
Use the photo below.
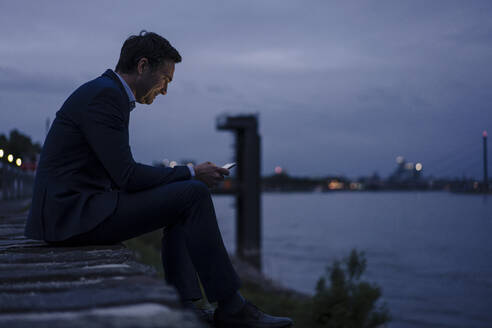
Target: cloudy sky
(340, 87)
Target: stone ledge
(90, 286)
(143, 315)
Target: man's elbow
(124, 181)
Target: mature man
(89, 189)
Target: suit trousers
(191, 243)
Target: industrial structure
(248, 190)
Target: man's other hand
(210, 174)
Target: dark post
(485, 175)
(248, 196)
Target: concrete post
(248, 196)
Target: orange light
(335, 185)
(227, 184)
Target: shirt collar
(129, 92)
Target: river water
(431, 252)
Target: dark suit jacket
(86, 161)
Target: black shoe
(249, 317)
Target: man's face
(150, 83)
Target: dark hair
(149, 45)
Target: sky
(340, 87)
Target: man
(89, 189)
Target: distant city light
(409, 166)
(10, 158)
(227, 184)
(1, 153)
(418, 167)
(399, 159)
(18, 162)
(484, 134)
(173, 163)
(335, 185)
(190, 164)
(278, 170)
(355, 186)
(165, 162)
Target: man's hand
(210, 174)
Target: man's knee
(198, 189)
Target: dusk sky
(340, 87)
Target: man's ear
(142, 64)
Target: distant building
(407, 175)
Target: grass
(281, 304)
(271, 300)
(147, 250)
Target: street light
(18, 162)
(1, 153)
(10, 158)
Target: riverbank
(267, 294)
